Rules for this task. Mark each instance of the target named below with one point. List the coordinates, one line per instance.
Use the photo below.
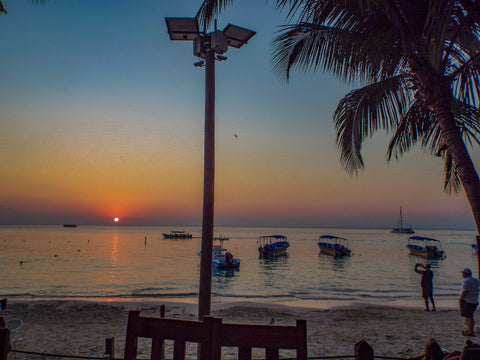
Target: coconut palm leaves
(4, 11)
(210, 9)
(406, 53)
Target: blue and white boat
(426, 247)
(271, 246)
(334, 245)
(221, 257)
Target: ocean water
(125, 263)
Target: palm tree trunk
(452, 137)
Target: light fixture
(182, 28)
(237, 36)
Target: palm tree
(4, 11)
(418, 63)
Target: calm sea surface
(115, 262)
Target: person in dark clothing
(427, 284)
(433, 351)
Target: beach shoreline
(445, 304)
(80, 327)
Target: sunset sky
(102, 116)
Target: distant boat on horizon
(177, 234)
(400, 229)
(69, 225)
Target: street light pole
(206, 47)
(205, 288)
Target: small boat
(400, 229)
(177, 235)
(426, 247)
(334, 245)
(272, 246)
(69, 225)
(221, 257)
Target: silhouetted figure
(229, 259)
(427, 284)
(433, 351)
(469, 300)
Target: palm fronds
(2, 9)
(210, 9)
(362, 112)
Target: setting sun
(116, 219)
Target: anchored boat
(272, 246)
(221, 257)
(177, 235)
(426, 247)
(334, 245)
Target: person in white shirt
(469, 300)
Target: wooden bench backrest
(212, 334)
(158, 329)
(271, 338)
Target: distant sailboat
(401, 229)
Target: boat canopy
(220, 238)
(276, 237)
(421, 238)
(331, 237)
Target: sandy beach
(80, 327)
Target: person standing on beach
(427, 284)
(469, 300)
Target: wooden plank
(261, 336)
(272, 354)
(4, 343)
(110, 348)
(244, 353)
(211, 349)
(131, 340)
(302, 340)
(158, 349)
(179, 350)
(363, 351)
(171, 329)
(158, 344)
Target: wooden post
(109, 348)
(158, 345)
(363, 351)
(4, 343)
